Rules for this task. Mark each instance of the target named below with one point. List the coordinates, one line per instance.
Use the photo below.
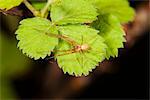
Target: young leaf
(119, 8)
(82, 62)
(110, 29)
(38, 5)
(72, 11)
(33, 38)
(8, 4)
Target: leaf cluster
(87, 31)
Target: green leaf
(72, 11)
(38, 5)
(8, 4)
(80, 63)
(33, 38)
(110, 29)
(119, 8)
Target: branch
(31, 8)
(44, 11)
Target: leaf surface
(33, 38)
(111, 30)
(8, 4)
(38, 5)
(81, 63)
(118, 8)
(72, 11)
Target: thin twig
(44, 11)
(31, 8)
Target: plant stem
(31, 8)
(44, 11)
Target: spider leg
(80, 63)
(88, 57)
(81, 53)
(82, 40)
(94, 51)
(62, 50)
(56, 51)
(60, 55)
(70, 52)
(93, 39)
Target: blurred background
(124, 77)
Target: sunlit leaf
(72, 11)
(8, 4)
(81, 63)
(33, 38)
(110, 29)
(118, 8)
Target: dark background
(131, 80)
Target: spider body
(83, 47)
